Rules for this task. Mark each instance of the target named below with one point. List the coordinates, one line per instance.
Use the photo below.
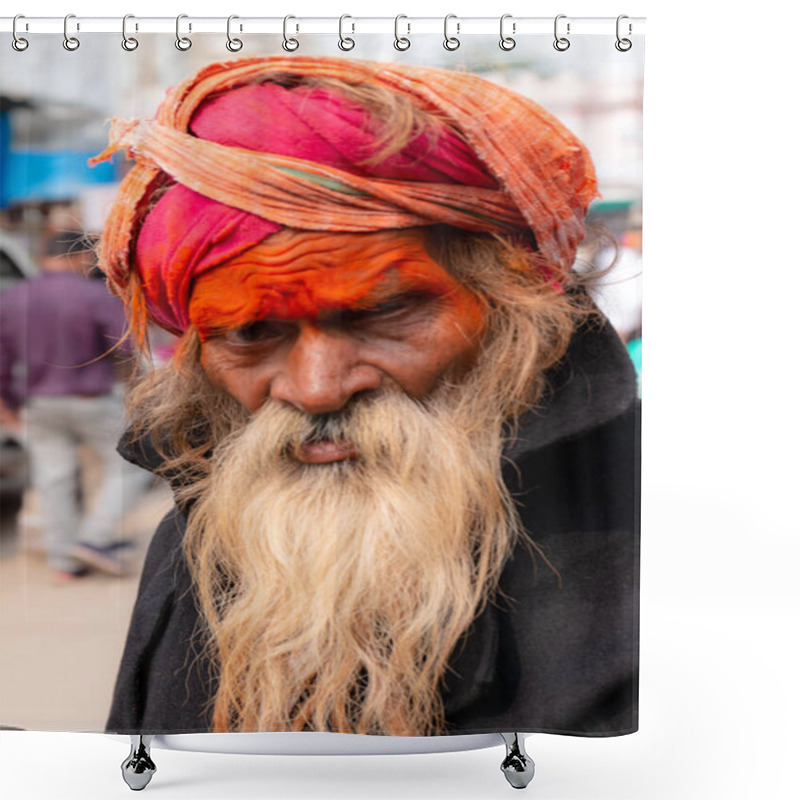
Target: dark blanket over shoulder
(558, 649)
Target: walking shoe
(60, 576)
(109, 558)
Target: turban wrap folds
(243, 153)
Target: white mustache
(328, 427)
(370, 425)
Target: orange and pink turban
(241, 151)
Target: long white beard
(335, 593)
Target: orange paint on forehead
(298, 274)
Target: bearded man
(401, 439)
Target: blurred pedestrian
(59, 335)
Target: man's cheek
(225, 374)
(210, 361)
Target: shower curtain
(471, 564)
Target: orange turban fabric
(243, 152)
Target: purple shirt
(52, 328)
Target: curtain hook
(506, 42)
(18, 42)
(182, 42)
(451, 42)
(623, 45)
(561, 43)
(289, 44)
(70, 42)
(233, 44)
(129, 43)
(345, 42)
(401, 42)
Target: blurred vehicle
(16, 264)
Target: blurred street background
(60, 644)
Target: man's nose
(322, 372)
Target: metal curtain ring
(451, 42)
(289, 44)
(70, 42)
(561, 43)
(506, 42)
(182, 42)
(129, 43)
(345, 42)
(18, 42)
(233, 44)
(401, 42)
(623, 45)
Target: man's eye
(260, 331)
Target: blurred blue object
(635, 352)
(31, 176)
(45, 170)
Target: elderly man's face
(411, 329)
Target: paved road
(60, 644)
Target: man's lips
(325, 452)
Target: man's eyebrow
(378, 299)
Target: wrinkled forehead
(301, 274)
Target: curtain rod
(299, 25)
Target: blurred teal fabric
(635, 352)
